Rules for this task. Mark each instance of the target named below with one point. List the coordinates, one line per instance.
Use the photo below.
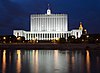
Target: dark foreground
(50, 46)
(49, 61)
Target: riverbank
(50, 46)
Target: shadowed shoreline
(49, 46)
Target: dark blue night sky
(15, 14)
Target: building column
(40, 24)
(56, 35)
(49, 36)
(66, 35)
(42, 36)
(59, 35)
(30, 36)
(36, 24)
(44, 23)
(37, 36)
(47, 23)
(63, 35)
(53, 35)
(63, 25)
(54, 24)
(25, 36)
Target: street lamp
(18, 38)
(87, 36)
(4, 38)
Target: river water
(49, 61)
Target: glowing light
(33, 39)
(87, 36)
(18, 38)
(72, 37)
(97, 39)
(57, 39)
(4, 38)
(82, 40)
(85, 30)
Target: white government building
(48, 27)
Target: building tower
(80, 27)
(48, 10)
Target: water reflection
(88, 61)
(18, 64)
(73, 58)
(56, 61)
(50, 61)
(4, 62)
(36, 61)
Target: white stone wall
(18, 33)
(77, 33)
(53, 22)
(47, 35)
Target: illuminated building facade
(48, 27)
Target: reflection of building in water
(48, 26)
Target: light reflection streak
(36, 61)
(56, 58)
(73, 61)
(67, 61)
(97, 59)
(73, 58)
(18, 61)
(68, 57)
(4, 62)
(33, 54)
(10, 58)
(88, 61)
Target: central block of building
(51, 22)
